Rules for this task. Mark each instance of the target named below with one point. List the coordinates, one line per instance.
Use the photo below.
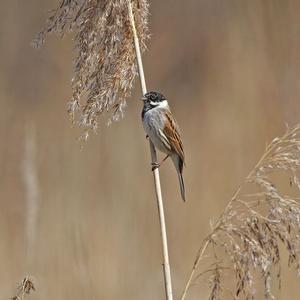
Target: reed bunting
(163, 131)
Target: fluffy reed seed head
(246, 240)
(105, 66)
(25, 288)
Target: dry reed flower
(25, 288)
(259, 218)
(105, 65)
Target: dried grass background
(232, 73)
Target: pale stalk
(195, 266)
(166, 264)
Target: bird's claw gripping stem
(155, 165)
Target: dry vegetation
(24, 289)
(250, 43)
(247, 238)
(105, 66)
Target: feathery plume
(105, 66)
(261, 216)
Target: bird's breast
(154, 123)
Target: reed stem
(166, 264)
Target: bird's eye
(152, 97)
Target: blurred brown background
(84, 222)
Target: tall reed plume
(105, 66)
(261, 216)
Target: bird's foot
(155, 165)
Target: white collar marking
(162, 104)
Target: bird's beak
(143, 98)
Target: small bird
(163, 131)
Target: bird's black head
(154, 97)
(152, 100)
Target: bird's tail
(181, 183)
(178, 162)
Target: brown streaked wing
(171, 131)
